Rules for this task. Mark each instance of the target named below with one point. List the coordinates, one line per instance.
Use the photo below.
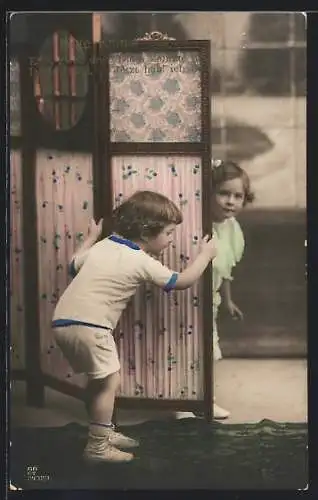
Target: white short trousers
(88, 350)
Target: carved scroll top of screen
(155, 97)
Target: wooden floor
(251, 389)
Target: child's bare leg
(103, 439)
(101, 398)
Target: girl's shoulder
(237, 239)
(230, 246)
(232, 232)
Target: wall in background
(258, 63)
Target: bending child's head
(231, 189)
(147, 216)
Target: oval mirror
(60, 79)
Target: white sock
(99, 429)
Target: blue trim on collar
(123, 241)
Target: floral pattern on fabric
(64, 208)
(155, 97)
(159, 335)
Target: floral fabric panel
(155, 97)
(64, 207)
(16, 287)
(160, 335)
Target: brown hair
(144, 214)
(227, 171)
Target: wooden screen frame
(102, 157)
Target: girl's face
(228, 199)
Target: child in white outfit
(107, 275)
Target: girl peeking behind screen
(231, 192)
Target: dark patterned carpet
(184, 454)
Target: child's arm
(195, 270)
(162, 276)
(226, 291)
(234, 311)
(78, 258)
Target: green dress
(230, 247)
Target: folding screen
(17, 326)
(16, 276)
(151, 107)
(155, 115)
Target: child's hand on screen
(208, 246)
(95, 230)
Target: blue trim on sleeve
(171, 283)
(71, 269)
(67, 322)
